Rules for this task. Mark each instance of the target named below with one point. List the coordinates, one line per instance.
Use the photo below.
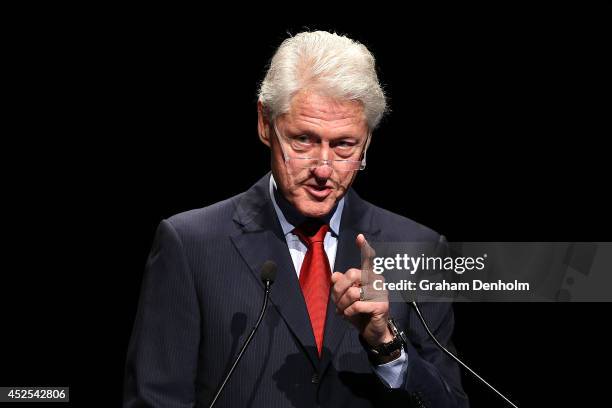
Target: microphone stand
(268, 285)
(451, 355)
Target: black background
(120, 118)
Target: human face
(327, 123)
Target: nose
(323, 172)
(325, 152)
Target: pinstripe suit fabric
(200, 296)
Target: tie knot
(311, 231)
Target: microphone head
(268, 272)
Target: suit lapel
(261, 239)
(347, 256)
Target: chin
(315, 209)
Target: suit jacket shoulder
(394, 227)
(215, 221)
(210, 222)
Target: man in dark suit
(322, 343)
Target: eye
(345, 144)
(302, 139)
(302, 142)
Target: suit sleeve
(432, 376)
(163, 352)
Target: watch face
(396, 345)
(387, 349)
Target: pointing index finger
(367, 258)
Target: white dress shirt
(392, 373)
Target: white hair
(326, 63)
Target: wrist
(387, 348)
(387, 337)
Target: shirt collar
(289, 217)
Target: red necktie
(315, 276)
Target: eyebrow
(317, 134)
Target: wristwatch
(389, 351)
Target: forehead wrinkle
(320, 112)
(317, 122)
(326, 105)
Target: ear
(263, 124)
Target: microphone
(268, 275)
(451, 355)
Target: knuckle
(353, 272)
(361, 307)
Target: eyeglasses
(304, 148)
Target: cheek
(345, 179)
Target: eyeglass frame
(321, 162)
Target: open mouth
(319, 192)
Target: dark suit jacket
(202, 293)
